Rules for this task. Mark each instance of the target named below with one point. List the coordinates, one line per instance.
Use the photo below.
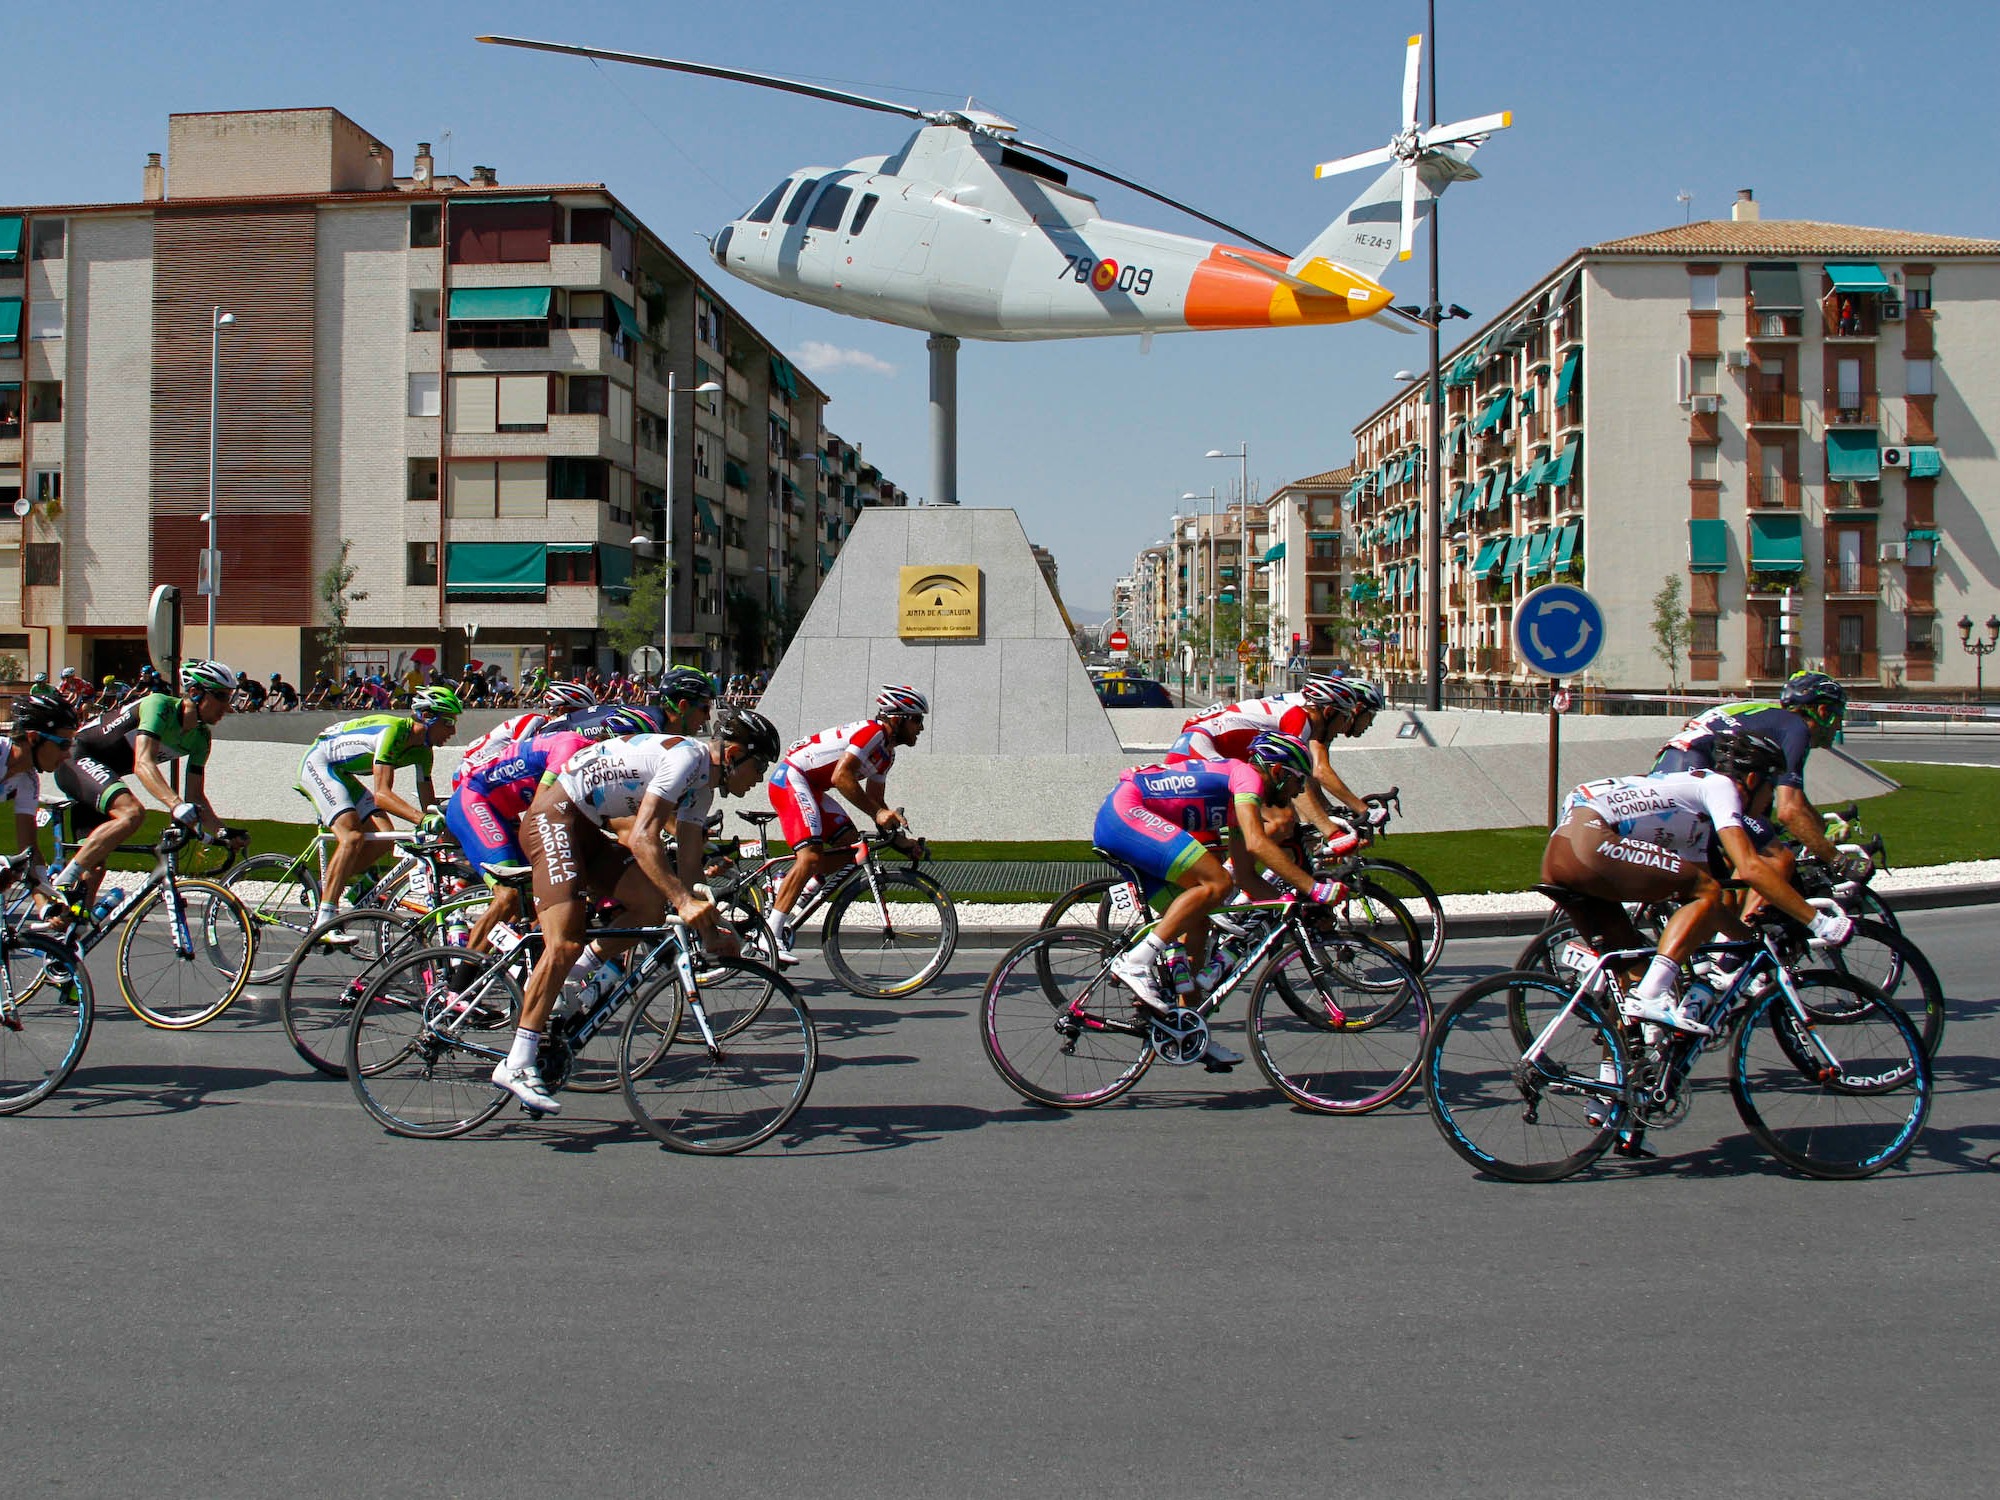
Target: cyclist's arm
(649, 829)
(1310, 806)
(847, 781)
(387, 799)
(146, 766)
(195, 787)
(1326, 776)
(1803, 823)
(1761, 875)
(1266, 850)
(1243, 865)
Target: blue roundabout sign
(1558, 630)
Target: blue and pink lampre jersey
(1197, 797)
(509, 780)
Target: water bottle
(1180, 977)
(365, 882)
(1699, 1001)
(455, 930)
(107, 903)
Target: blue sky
(1851, 112)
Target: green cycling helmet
(437, 703)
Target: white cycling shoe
(526, 1085)
(1143, 982)
(1668, 1011)
(781, 946)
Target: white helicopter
(970, 232)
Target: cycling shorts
(1160, 851)
(804, 815)
(571, 856)
(91, 787)
(1589, 856)
(331, 793)
(482, 832)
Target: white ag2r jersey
(1677, 810)
(611, 778)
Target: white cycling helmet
(207, 677)
(900, 702)
(567, 698)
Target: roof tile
(1791, 237)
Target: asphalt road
(1952, 749)
(224, 1280)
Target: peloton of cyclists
(1324, 707)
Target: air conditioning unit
(1895, 458)
(1891, 552)
(1738, 359)
(1706, 403)
(1892, 308)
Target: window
(831, 208)
(579, 479)
(45, 319)
(423, 480)
(761, 214)
(1921, 635)
(41, 565)
(523, 403)
(1702, 462)
(589, 395)
(1702, 291)
(424, 394)
(572, 567)
(45, 401)
(701, 468)
(1326, 548)
(734, 531)
(484, 234)
(10, 410)
(426, 233)
(861, 214)
(1703, 641)
(1702, 376)
(798, 204)
(474, 491)
(420, 564)
(618, 497)
(46, 240)
(586, 309)
(1917, 293)
(1919, 377)
(621, 414)
(475, 403)
(522, 491)
(426, 312)
(45, 485)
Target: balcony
(1772, 408)
(1851, 578)
(1773, 327)
(1773, 492)
(1850, 406)
(1854, 495)
(1850, 317)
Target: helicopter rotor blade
(1465, 130)
(1412, 65)
(1157, 197)
(707, 70)
(1355, 163)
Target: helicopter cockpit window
(761, 214)
(831, 208)
(861, 214)
(799, 199)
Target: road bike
(1829, 1076)
(716, 1055)
(46, 1009)
(888, 932)
(1336, 1019)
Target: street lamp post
(1980, 650)
(1210, 582)
(217, 321)
(707, 387)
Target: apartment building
(458, 386)
(1302, 573)
(1789, 417)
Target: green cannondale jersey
(113, 739)
(354, 749)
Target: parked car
(1132, 692)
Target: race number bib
(1125, 902)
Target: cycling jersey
(596, 723)
(1225, 733)
(1693, 749)
(112, 740)
(24, 790)
(1161, 819)
(815, 757)
(485, 810)
(498, 738)
(1677, 811)
(357, 747)
(610, 779)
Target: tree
(337, 593)
(1673, 627)
(634, 623)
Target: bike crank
(1180, 1037)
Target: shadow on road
(126, 1090)
(842, 1129)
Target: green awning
(515, 568)
(735, 475)
(1923, 534)
(1489, 556)
(1494, 413)
(1858, 278)
(1708, 546)
(784, 377)
(1566, 377)
(10, 320)
(1498, 489)
(572, 548)
(1566, 543)
(1776, 289)
(1517, 549)
(1853, 453)
(1540, 545)
(1776, 545)
(1558, 470)
(10, 236)
(1528, 399)
(627, 319)
(707, 516)
(1926, 463)
(499, 304)
(703, 565)
(1276, 554)
(614, 567)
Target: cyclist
(1808, 713)
(684, 697)
(253, 693)
(70, 683)
(38, 741)
(560, 699)
(1165, 821)
(286, 695)
(40, 688)
(486, 807)
(1672, 836)
(140, 741)
(322, 690)
(1324, 707)
(664, 785)
(853, 760)
(1368, 702)
(374, 745)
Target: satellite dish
(23, 505)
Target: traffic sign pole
(1555, 749)
(1558, 632)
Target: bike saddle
(761, 819)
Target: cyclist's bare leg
(503, 907)
(1205, 885)
(121, 823)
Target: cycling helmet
(629, 721)
(207, 677)
(277, 677)
(754, 732)
(1329, 692)
(110, 679)
(1816, 695)
(68, 672)
(41, 678)
(1737, 753)
(687, 685)
(1280, 752)
(567, 697)
(899, 702)
(437, 703)
(37, 715)
(1366, 695)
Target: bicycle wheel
(1057, 1027)
(281, 893)
(894, 947)
(52, 1012)
(185, 954)
(323, 982)
(1358, 1042)
(1519, 1118)
(1371, 910)
(739, 1081)
(1837, 1085)
(415, 1059)
(1419, 898)
(1089, 906)
(1886, 959)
